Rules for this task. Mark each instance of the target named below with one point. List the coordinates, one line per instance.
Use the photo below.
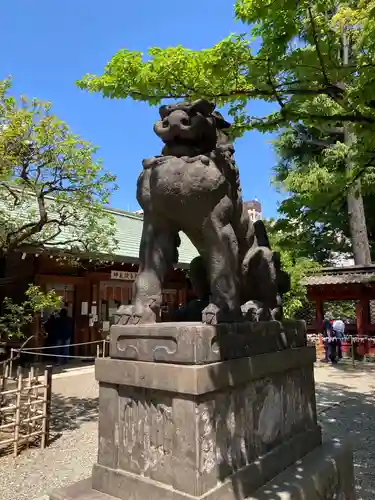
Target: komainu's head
(189, 129)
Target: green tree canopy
(52, 187)
(298, 66)
(296, 265)
(311, 170)
(315, 62)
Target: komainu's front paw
(134, 315)
(254, 310)
(250, 310)
(213, 314)
(210, 314)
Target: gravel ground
(346, 407)
(73, 451)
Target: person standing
(50, 330)
(339, 333)
(64, 327)
(325, 328)
(330, 341)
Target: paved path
(346, 407)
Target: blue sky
(48, 45)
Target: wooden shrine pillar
(319, 314)
(81, 321)
(362, 321)
(360, 308)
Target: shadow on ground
(347, 414)
(69, 413)
(56, 368)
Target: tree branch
(329, 91)
(317, 46)
(11, 192)
(332, 118)
(238, 92)
(32, 228)
(272, 85)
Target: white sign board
(84, 308)
(123, 275)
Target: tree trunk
(356, 212)
(3, 264)
(357, 224)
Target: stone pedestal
(184, 414)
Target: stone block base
(191, 429)
(125, 485)
(207, 422)
(197, 343)
(324, 474)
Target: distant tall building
(254, 209)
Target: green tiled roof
(129, 232)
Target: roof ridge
(124, 213)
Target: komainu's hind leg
(221, 256)
(260, 273)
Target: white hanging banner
(84, 308)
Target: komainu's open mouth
(180, 141)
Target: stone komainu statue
(194, 187)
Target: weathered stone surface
(215, 431)
(194, 187)
(108, 424)
(197, 343)
(324, 474)
(201, 379)
(191, 428)
(124, 485)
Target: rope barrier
(54, 355)
(65, 345)
(35, 351)
(349, 338)
(9, 360)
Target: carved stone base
(324, 474)
(197, 343)
(217, 431)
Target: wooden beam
(348, 291)
(55, 278)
